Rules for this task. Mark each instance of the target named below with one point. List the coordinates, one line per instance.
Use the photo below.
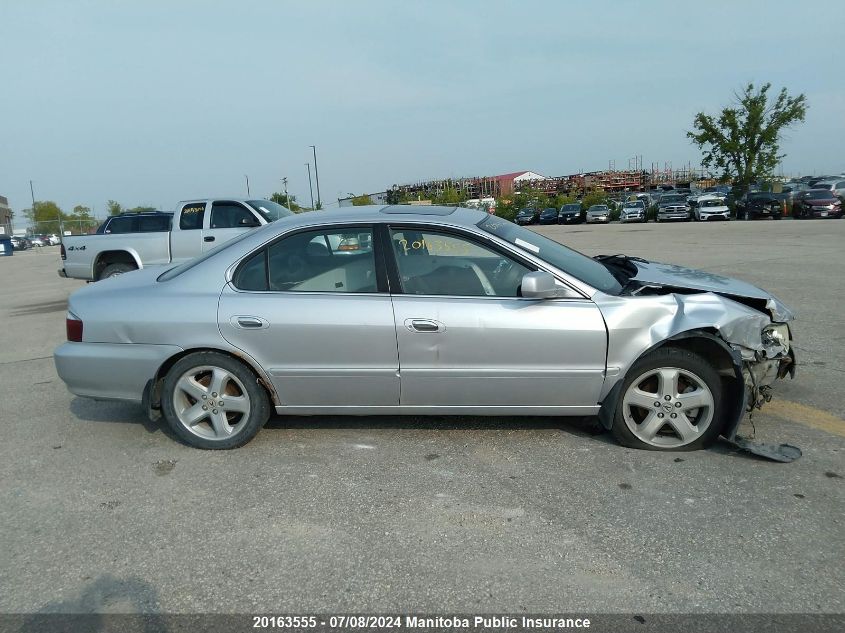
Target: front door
(468, 341)
(228, 219)
(312, 309)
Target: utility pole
(247, 185)
(310, 188)
(287, 198)
(317, 177)
(32, 193)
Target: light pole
(247, 185)
(316, 176)
(310, 188)
(287, 198)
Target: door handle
(208, 238)
(424, 325)
(249, 322)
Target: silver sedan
(426, 310)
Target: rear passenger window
(122, 225)
(338, 260)
(154, 223)
(192, 215)
(252, 275)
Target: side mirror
(249, 222)
(538, 285)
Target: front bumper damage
(752, 331)
(760, 369)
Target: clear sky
(150, 102)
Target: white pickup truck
(198, 225)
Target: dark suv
(760, 204)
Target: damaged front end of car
(742, 329)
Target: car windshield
(673, 198)
(269, 210)
(572, 262)
(549, 211)
(571, 207)
(712, 203)
(634, 205)
(598, 208)
(526, 212)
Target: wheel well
(155, 383)
(107, 258)
(707, 344)
(703, 343)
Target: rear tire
(669, 382)
(113, 270)
(213, 401)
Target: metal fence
(75, 227)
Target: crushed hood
(673, 276)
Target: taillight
(74, 328)
(63, 252)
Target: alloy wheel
(668, 407)
(211, 402)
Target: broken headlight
(776, 336)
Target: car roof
(133, 214)
(381, 213)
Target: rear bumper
(110, 371)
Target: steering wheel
(485, 282)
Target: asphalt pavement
(101, 510)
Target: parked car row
(24, 242)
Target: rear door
(467, 340)
(227, 219)
(186, 236)
(314, 310)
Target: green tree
(743, 142)
(288, 201)
(362, 200)
(80, 220)
(140, 209)
(114, 208)
(449, 197)
(597, 196)
(562, 199)
(45, 217)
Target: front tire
(213, 401)
(670, 401)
